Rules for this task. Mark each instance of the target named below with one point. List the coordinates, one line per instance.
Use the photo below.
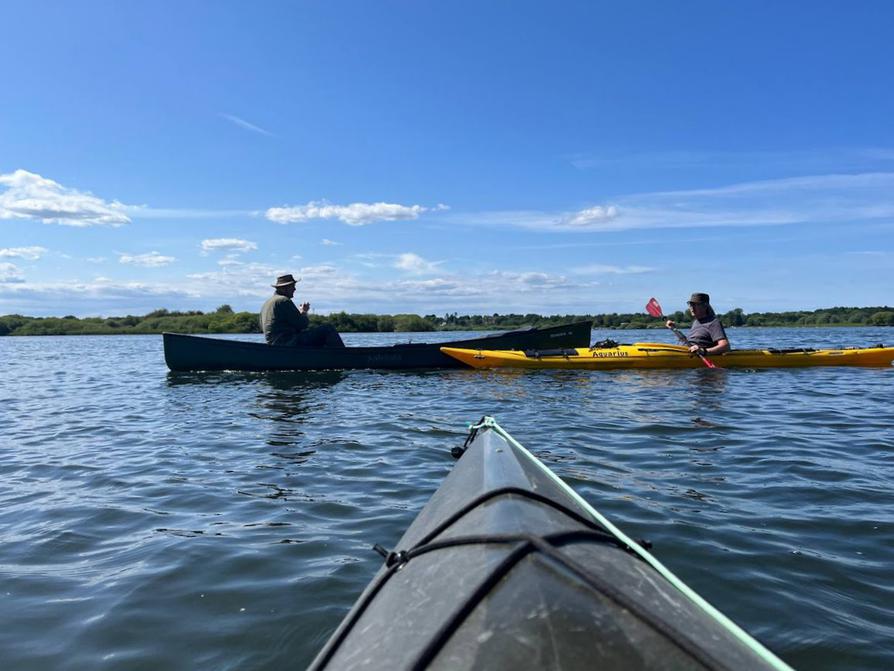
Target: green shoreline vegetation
(225, 320)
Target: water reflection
(178, 379)
(283, 403)
(278, 380)
(281, 380)
(707, 386)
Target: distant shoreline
(225, 321)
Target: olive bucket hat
(285, 280)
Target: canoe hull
(195, 353)
(659, 355)
(507, 568)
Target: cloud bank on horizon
(28, 196)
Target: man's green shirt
(281, 320)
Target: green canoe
(189, 352)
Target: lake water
(151, 520)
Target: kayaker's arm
(719, 347)
(653, 307)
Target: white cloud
(511, 291)
(326, 242)
(10, 273)
(414, 290)
(592, 216)
(817, 199)
(228, 244)
(27, 253)
(96, 259)
(414, 263)
(355, 214)
(242, 123)
(148, 260)
(317, 271)
(238, 278)
(253, 280)
(601, 269)
(525, 280)
(30, 196)
(251, 283)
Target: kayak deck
(662, 355)
(507, 568)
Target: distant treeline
(224, 320)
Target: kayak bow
(507, 567)
(662, 355)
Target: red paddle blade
(653, 308)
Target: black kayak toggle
(457, 452)
(392, 558)
(396, 559)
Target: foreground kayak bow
(506, 567)
(662, 355)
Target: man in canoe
(285, 324)
(706, 335)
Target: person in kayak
(285, 324)
(706, 335)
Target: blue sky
(438, 157)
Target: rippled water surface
(154, 520)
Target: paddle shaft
(683, 339)
(654, 307)
(677, 332)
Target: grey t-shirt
(281, 320)
(707, 334)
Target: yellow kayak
(661, 355)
